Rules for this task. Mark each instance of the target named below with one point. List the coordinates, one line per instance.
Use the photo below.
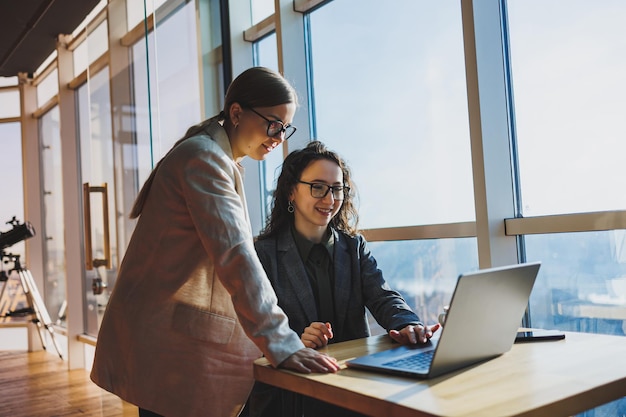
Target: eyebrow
(324, 182)
(276, 119)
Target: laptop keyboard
(417, 362)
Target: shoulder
(199, 155)
(265, 244)
(350, 240)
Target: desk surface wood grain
(556, 378)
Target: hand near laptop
(412, 335)
(308, 360)
(317, 334)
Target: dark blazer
(358, 284)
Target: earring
(290, 207)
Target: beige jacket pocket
(203, 325)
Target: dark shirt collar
(304, 245)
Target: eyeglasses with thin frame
(276, 127)
(320, 190)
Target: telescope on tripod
(36, 307)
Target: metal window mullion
(489, 131)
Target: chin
(259, 155)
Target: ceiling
(29, 28)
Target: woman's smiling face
(251, 136)
(312, 215)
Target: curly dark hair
(295, 163)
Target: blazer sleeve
(218, 213)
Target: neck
(313, 234)
(231, 133)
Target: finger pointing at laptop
(414, 334)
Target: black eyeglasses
(276, 127)
(320, 190)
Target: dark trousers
(268, 401)
(146, 413)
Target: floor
(38, 384)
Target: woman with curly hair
(322, 270)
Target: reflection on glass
(96, 146)
(96, 44)
(582, 282)
(166, 86)
(54, 225)
(136, 12)
(425, 271)
(267, 56)
(390, 96)
(570, 101)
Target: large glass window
(569, 96)
(583, 281)
(9, 102)
(166, 84)
(11, 176)
(568, 62)
(48, 88)
(137, 10)
(53, 227)
(393, 102)
(261, 9)
(267, 56)
(425, 271)
(8, 81)
(96, 148)
(91, 49)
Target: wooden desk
(557, 378)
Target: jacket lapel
(343, 277)
(291, 265)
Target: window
(10, 103)
(11, 177)
(393, 102)
(96, 44)
(569, 95)
(166, 85)
(425, 271)
(265, 52)
(48, 88)
(53, 225)
(261, 9)
(570, 99)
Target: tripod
(36, 308)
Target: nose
(329, 194)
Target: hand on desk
(308, 360)
(317, 335)
(412, 335)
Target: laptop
(484, 316)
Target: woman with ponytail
(192, 307)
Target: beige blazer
(192, 306)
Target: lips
(324, 211)
(270, 148)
